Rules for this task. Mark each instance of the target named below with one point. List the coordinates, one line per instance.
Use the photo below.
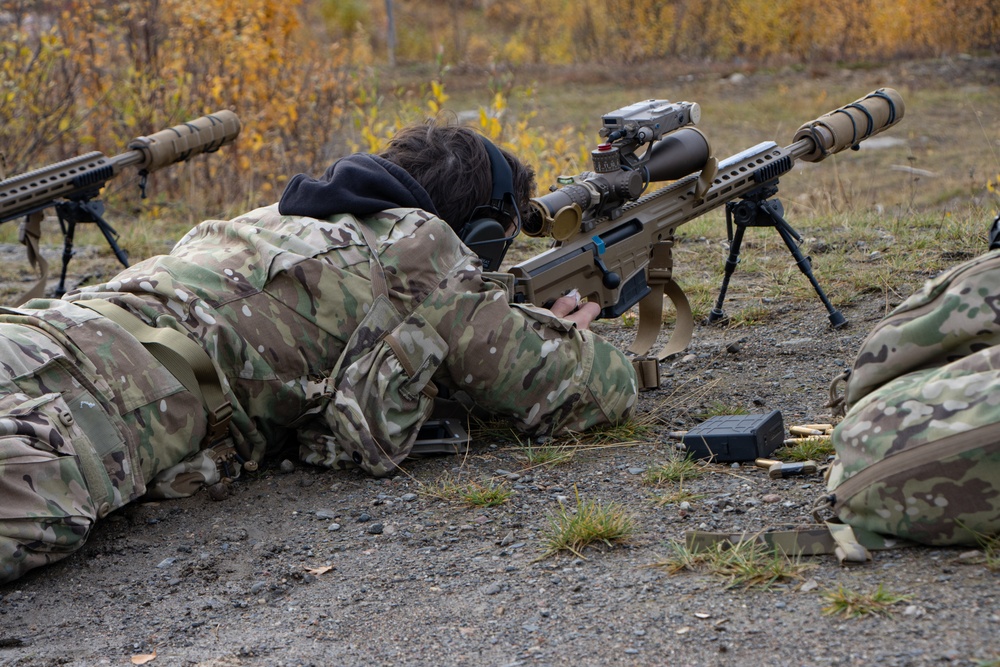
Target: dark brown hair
(452, 164)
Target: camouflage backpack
(918, 452)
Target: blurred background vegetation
(312, 80)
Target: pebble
(376, 529)
(166, 562)
(408, 497)
(287, 466)
(334, 527)
(364, 518)
(492, 589)
(636, 471)
(324, 514)
(771, 498)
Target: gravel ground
(307, 567)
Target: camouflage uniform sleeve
(525, 363)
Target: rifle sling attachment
(646, 366)
(186, 360)
(29, 234)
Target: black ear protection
(486, 231)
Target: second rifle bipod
(83, 210)
(755, 210)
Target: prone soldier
(330, 320)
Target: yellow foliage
(301, 73)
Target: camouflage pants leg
(53, 486)
(88, 418)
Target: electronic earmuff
(486, 231)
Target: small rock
(771, 498)
(364, 518)
(166, 562)
(408, 497)
(636, 471)
(287, 466)
(376, 529)
(492, 589)
(333, 527)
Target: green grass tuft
(748, 564)
(588, 523)
(851, 604)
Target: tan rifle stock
(625, 257)
(71, 185)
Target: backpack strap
(186, 360)
(850, 545)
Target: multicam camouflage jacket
(918, 453)
(311, 347)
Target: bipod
(755, 210)
(71, 212)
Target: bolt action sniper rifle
(613, 243)
(71, 186)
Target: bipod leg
(72, 212)
(68, 224)
(717, 313)
(789, 236)
(110, 235)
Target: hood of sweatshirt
(359, 184)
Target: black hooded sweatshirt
(359, 184)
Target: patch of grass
(720, 409)
(473, 492)
(991, 553)
(851, 604)
(678, 496)
(751, 315)
(676, 470)
(806, 449)
(990, 548)
(445, 488)
(588, 523)
(747, 564)
(614, 434)
(486, 495)
(549, 454)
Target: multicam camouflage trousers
(78, 436)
